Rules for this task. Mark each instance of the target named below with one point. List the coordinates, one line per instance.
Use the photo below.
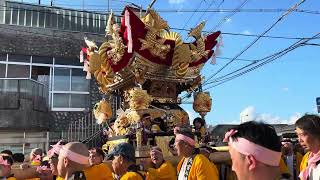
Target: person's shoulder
(201, 157)
(201, 160)
(59, 178)
(306, 157)
(104, 166)
(167, 164)
(131, 176)
(11, 178)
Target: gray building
(43, 90)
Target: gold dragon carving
(184, 54)
(199, 50)
(112, 50)
(155, 25)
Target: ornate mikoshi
(148, 66)
(102, 111)
(202, 103)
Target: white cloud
(248, 114)
(315, 109)
(285, 89)
(247, 32)
(294, 118)
(176, 1)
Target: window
(79, 100)
(70, 89)
(73, 21)
(2, 70)
(90, 22)
(48, 18)
(85, 21)
(97, 21)
(35, 16)
(41, 18)
(15, 15)
(54, 18)
(18, 71)
(8, 14)
(41, 74)
(28, 17)
(61, 100)
(79, 81)
(79, 19)
(61, 79)
(60, 19)
(67, 61)
(3, 57)
(42, 59)
(22, 14)
(67, 19)
(2, 16)
(103, 23)
(19, 58)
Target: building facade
(43, 88)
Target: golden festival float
(148, 66)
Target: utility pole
(82, 5)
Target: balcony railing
(12, 91)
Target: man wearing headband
(161, 169)
(53, 155)
(73, 158)
(97, 170)
(255, 151)
(5, 167)
(124, 163)
(36, 157)
(192, 166)
(308, 131)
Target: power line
(230, 15)
(251, 64)
(192, 15)
(199, 19)
(249, 35)
(267, 60)
(254, 41)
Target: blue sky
(278, 92)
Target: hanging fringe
(81, 56)
(221, 41)
(88, 75)
(213, 59)
(218, 46)
(86, 66)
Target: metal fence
(84, 130)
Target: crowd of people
(256, 152)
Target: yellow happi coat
(304, 161)
(98, 172)
(201, 169)
(165, 172)
(131, 176)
